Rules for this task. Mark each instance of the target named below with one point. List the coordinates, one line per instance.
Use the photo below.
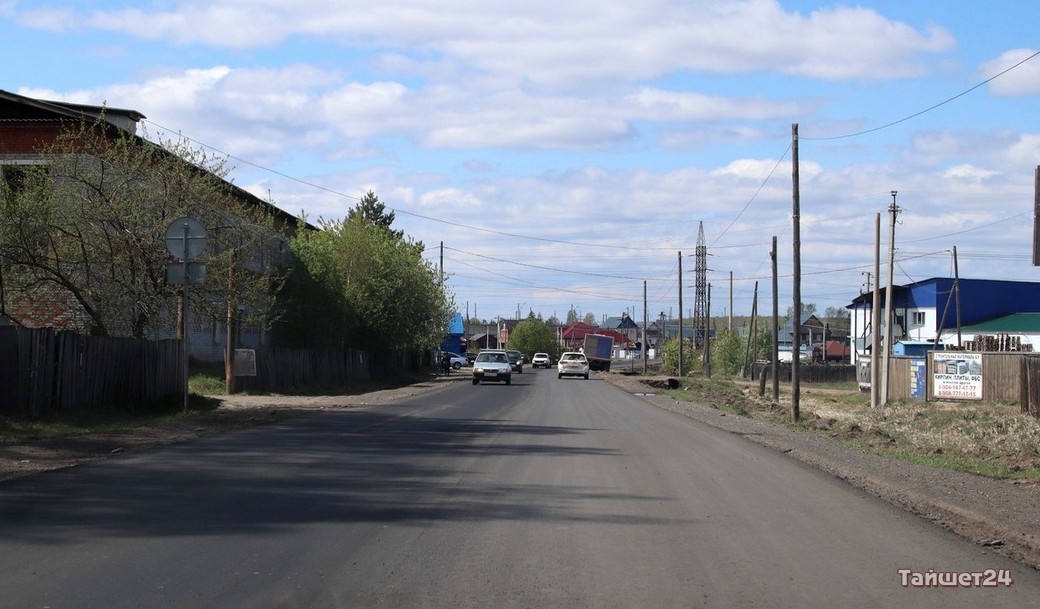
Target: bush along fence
(43, 372)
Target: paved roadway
(546, 493)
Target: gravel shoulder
(1000, 516)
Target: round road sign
(185, 238)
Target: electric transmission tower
(700, 299)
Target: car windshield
(497, 358)
(573, 356)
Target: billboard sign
(956, 375)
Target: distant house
(625, 326)
(454, 342)
(573, 336)
(936, 307)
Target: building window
(918, 318)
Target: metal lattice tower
(700, 299)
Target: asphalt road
(545, 493)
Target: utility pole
(776, 328)
(957, 294)
(796, 287)
(680, 317)
(729, 325)
(644, 345)
(893, 211)
(875, 319)
(442, 263)
(707, 337)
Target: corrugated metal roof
(1016, 323)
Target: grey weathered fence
(283, 369)
(809, 373)
(43, 371)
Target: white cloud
(47, 19)
(555, 44)
(1022, 80)
(969, 173)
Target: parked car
(492, 366)
(455, 360)
(470, 356)
(541, 360)
(572, 363)
(516, 361)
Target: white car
(572, 363)
(492, 366)
(455, 360)
(541, 360)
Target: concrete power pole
(875, 318)
(893, 211)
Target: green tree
(532, 336)
(727, 352)
(670, 357)
(313, 305)
(376, 288)
(371, 209)
(808, 309)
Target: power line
(926, 110)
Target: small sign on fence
(245, 362)
(957, 375)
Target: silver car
(492, 366)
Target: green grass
(994, 440)
(207, 383)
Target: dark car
(516, 361)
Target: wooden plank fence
(1030, 389)
(809, 373)
(45, 372)
(285, 369)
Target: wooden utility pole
(752, 327)
(232, 324)
(1036, 217)
(680, 317)
(796, 287)
(707, 335)
(643, 344)
(776, 328)
(957, 294)
(730, 326)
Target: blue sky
(564, 153)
